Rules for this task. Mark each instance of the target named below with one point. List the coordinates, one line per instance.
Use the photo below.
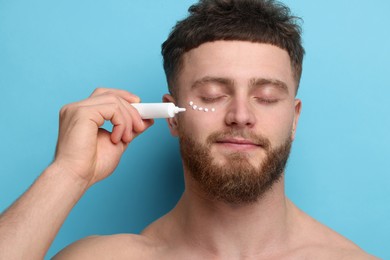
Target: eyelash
(260, 100)
(267, 101)
(210, 99)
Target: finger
(83, 115)
(112, 112)
(129, 97)
(134, 119)
(130, 131)
(102, 95)
(131, 117)
(124, 129)
(133, 123)
(147, 123)
(137, 122)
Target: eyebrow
(207, 80)
(254, 82)
(260, 82)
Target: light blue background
(56, 52)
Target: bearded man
(239, 60)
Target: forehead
(236, 60)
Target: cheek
(201, 112)
(202, 107)
(200, 123)
(278, 125)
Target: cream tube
(157, 110)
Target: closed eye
(211, 99)
(267, 100)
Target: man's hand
(85, 154)
(85, 149)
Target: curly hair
(260, 21)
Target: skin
(198, 227)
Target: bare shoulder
(336, 252)
(121, 246)
(321, 242)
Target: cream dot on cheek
(195, 107)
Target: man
(243, 60)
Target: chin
(235, 158)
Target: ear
(172, 122)
(297, 113)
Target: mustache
(242, 134)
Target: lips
(237, 144)
(236, 141)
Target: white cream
(195, 107)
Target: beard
(237, 181)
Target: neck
(223, 229)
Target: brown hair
(262, 21)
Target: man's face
(245, 142)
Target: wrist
(59, 169)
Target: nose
(240, 114)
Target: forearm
(30, 225)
